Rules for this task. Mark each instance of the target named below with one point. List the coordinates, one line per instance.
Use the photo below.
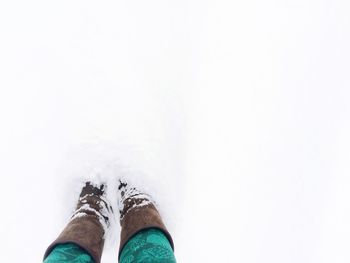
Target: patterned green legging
(146, 246)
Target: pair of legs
(143, 237)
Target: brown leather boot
(137, 212)
(88, 223)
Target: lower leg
(86, 229)
(144, 237)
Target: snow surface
(233, 115)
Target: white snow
(232, 115)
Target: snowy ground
(234, 114)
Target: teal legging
(149, 245)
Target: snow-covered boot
(137, 212)
(88, 223)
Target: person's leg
(84, 234)
(68, 253)
(144, 237)
(149, 245)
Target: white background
(238, 109)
